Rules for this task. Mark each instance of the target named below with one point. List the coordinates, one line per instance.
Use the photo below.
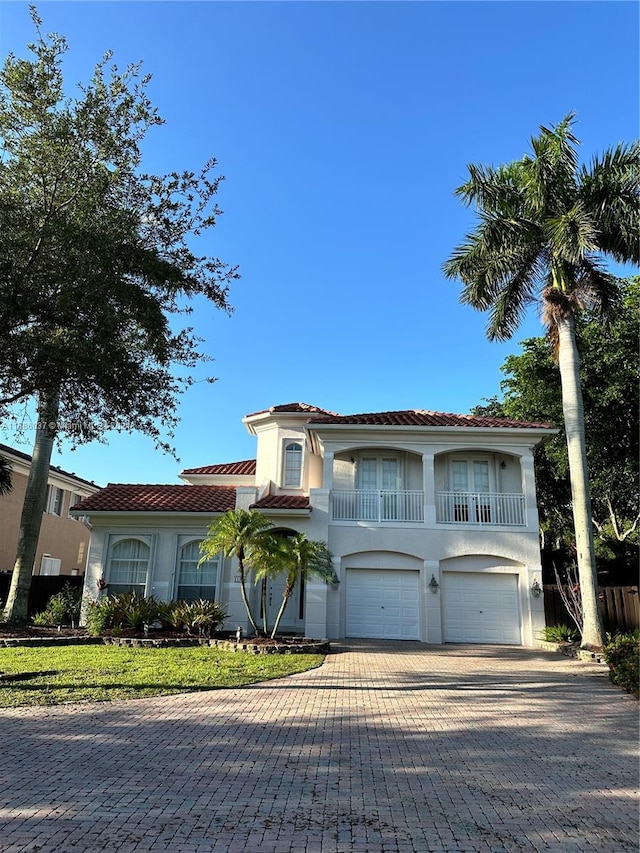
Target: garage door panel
(481, 608)
(382, 604)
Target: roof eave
(155, 512)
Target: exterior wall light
(536, 589)
(434, 586)
(335, 581)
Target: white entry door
(383, 604)
(481, 607)
(291, 619)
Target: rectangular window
(193, 582)
(50, 565)
(74, 499)
(55, 498)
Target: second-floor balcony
(377, 505)
(398, 506)
(480, 508)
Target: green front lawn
(51, 676)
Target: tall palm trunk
(35, 499)
(569, 363)
(286, 595)
(243, 591)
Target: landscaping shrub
(130, 610)
(63, 608)
(622, 653)
(202, 615)
(560, 634)
(127, 610)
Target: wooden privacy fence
(42, 588)
(619, 606)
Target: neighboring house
(63, 545)
(431, 520)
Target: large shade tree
(610, 380)
(546, 223)
(96, 264)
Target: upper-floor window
(292, 465)
(55, 498)
(128, 566)
(378, 472)
(193, 582)
(74, 498)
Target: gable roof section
(421, 417)
(133, 497)
(295, 408)
(247, 466)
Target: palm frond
(491, 189)
(495, 254)
(512, 302)
(601, 289)
(572, 234)
(611, 190)
(550, 177)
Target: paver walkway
(387, 748)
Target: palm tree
(300, 558)
(237, 533)
(6, 476)
(545, 225)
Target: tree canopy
(97, 263)
(610, 379)
(545, 225)
(95, 255)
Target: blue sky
(342, 129)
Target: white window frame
(290, 443)
(380, 456)
(470, 458)
(139, 587)
(55, 500)
(50, 565)
(180, 560)
(74, 498)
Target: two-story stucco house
(63, 544)
(431, 520)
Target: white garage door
(480, 608)
(383, 603)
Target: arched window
(292, 466)
(128, 567)
(194, 582)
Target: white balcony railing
(377, 505)
(480, 508)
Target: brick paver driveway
(387, 748)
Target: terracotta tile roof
(248, 466)
(282, 502)
(130, 497)
(420, 417)
(297, 408)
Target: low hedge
(622, 653)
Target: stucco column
(327, 470)
(535, 606)
(529, 490)
(429, 487)
(432, 602)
